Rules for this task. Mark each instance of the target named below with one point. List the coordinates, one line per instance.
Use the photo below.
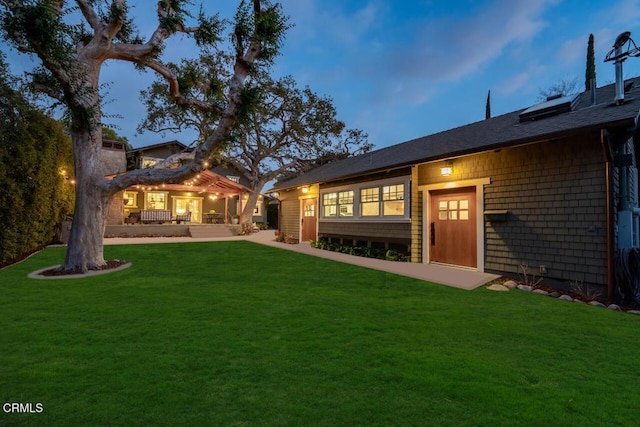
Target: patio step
(210, 231)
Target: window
(370, 201)
(130, 199)
(453, 210)
(235, 179)
(257, 210)
(338, 204)
(345, 203)
(384, 199)
(330, 205)
(393, 200)
(156, 200)
(149, 162)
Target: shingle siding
(290, 214)
(416, 217)
(555, 193)
(372, 231)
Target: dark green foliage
(591, 64)
(268, 29)
(487, 113)
(172, 13)
(35, 196)
(209, 29)
(40, 25)
(378, 253)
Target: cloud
(448, 50)
(329, 24)
(513, 84)
(441, 51)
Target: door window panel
(453, 210)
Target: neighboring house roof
(217, 179)
(175, 144)
(498, 132)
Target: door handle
(433, 234)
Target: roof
(210, 182)
(498, 132)
(175, 144)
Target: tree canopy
(71, 40)
(285, 130)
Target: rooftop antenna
(623, 47)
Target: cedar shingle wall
(416, 218)
(290, 214)
(373, 231)
(556, 197)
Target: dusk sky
(400, 70)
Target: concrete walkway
(450, 276)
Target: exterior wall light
(447, 169)
(305, 189)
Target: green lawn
(234, 333)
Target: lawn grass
(235, 333)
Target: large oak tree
(73, 39)
(284, 131)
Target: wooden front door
(452, 230)
(309, 219)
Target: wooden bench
(155, 215)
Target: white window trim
(357, 217)
(166, 198)
(134, 197)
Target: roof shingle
(498, 132)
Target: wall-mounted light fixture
(447, 169)
(305, 189)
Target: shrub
(378, 253)
(35, 170)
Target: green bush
(36, 197)
(378, 253)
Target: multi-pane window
(338, 204)
(345, 203)
(156, 200)
(370, 201)
(393, 200)
(330, 205)
(453, 210)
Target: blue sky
(400, 70)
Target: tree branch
(89, 14)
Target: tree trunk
(247, 213)
(85, 250)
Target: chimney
(592, 89)
(618, 55)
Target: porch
(208, 198)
